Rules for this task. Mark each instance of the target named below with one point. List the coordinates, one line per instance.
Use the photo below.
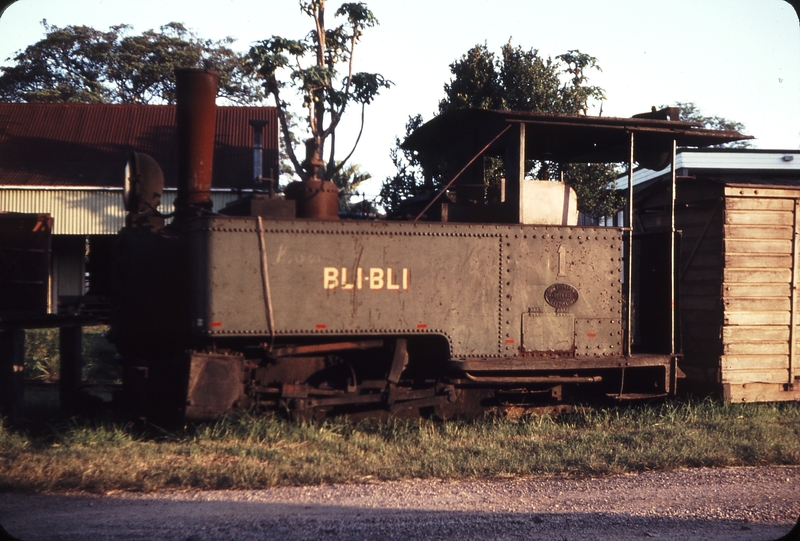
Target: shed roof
(727, 165)
(87, 144)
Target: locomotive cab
(486, 293)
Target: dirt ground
(752, 504)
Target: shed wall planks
(759, 275)
(758, 217)
(747, 333)
(758, 232)
(749, 203)
(744, 362)
(755, 375)
(738, 281)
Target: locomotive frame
(275, 303)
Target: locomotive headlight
(143, 184)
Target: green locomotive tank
(471, 301)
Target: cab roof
(562, 138)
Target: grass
(42, 358)
(258, 452)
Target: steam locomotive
(474, 300)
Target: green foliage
(519, 80)
(80, 64)
(348, 179)
(593, 184)
(311, 68)
(475, 82)
(42, 360)
(41, 355)
(406, 181)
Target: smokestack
(196, 92)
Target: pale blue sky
(735, 58)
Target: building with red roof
(68, 160)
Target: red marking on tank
(592, 335)
(321, 326)
(215, 324)
(422, 325)
(509, 340)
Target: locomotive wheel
(468, 404)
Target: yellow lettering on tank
(345, 285)
(389, 284)
(330, 278)
(376, 278)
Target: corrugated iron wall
(84, 211)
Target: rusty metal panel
(543, 265)
(598, 338)
(215, 385)
(24, 263)
(548, 333)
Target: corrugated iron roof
(63, 144)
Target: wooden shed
(738, 270)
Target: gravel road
(728, 504)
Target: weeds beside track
(248, 452)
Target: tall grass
(257, 452)
(42, 360)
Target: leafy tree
(407, 181)
(475, 84)
(690, 112)
(348, 179)
(519, 80)
(311, 66)
(84, 65)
